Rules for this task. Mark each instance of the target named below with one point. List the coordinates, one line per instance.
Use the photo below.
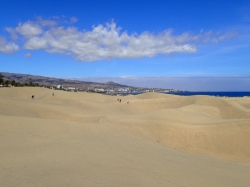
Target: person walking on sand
(53, 94)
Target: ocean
(218, 94)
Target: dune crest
(208, 125)
(70, 133)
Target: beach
(152, 139)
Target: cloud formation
(7, 47)
(29, 29)
(105, 42)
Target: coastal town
(114, 90)
(109, 88)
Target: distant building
(59, 86)
(99, 90)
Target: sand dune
(87, 139)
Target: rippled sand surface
(86, 139)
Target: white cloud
(12, 32)
(29, 29)
(105, 42)
(35, 43)
(6, 47)
(28, 55)
(45, 22)
(224, 37)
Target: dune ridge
(153, 124)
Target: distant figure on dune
(128, 102)
(33, 97)
(53, 94)
(118, 100)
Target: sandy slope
(86, 139)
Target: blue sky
(149, 42)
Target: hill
(51, 81)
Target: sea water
(219, 94)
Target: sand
(87, 139)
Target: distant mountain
(50, 81)
(111, 83)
